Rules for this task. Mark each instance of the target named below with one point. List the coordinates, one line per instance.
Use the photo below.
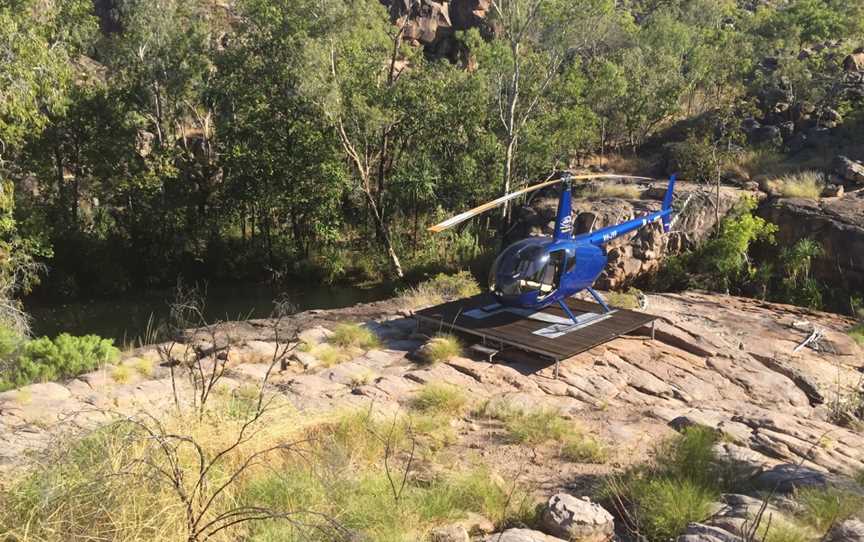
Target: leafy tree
(281, 163)
(539, 38)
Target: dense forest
(265, 139)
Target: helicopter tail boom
(667, 205)
(664, 216)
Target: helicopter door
(550, 279)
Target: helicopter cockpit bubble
(524, 268)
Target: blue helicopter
(536, 272)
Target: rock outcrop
(577, 520)
(837, 224)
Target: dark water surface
(125, 318)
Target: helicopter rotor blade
(462, 217)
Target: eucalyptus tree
(537, 39)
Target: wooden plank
(516, 331)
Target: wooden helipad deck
(507, 329)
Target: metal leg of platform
(653, 326)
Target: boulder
(849, 170)
(786, 478)
(849, 531)
(700, 532)
(766, 135)
(854, 62)
(520, 535)
(315, 335)
(449, 533)
(838, 224)
(833, 191)
(577, 519)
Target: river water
(125, 318)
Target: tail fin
(667, 205)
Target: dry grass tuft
(354, 336)
(122, 374)
(804, 185)
(441, 348)
(439, 289)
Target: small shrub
(534, 427)
(144, 367)
(441, 348)
(362, 378)
(66, 356)
(439, 289)
(440, 398)
(622, 191)
(822, 508)
(584, 450)
(354, 335)
(679, 488)
(121, 374)
(805, 184)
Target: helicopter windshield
(526, 268)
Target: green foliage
(857, 334)
(678, 489)
(584, 450)
(65, 356)
(726, 256)
(624, 300)
(822, 508)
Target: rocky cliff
(837, 224)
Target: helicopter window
(571, 263)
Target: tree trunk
(381, 229)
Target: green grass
(357, 493)
(584, 450)
(822, 508)
(329, 355)
(679, 488)
(354, 335)
(785, 531)
(441, 398)
(441, 348)
(334, 468)
(857, 334)
(533, 427)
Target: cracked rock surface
(723, 362)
